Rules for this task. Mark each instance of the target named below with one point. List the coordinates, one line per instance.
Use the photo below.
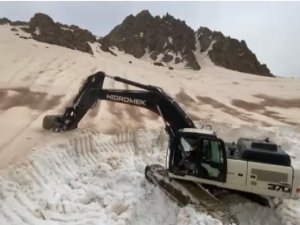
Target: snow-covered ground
(86, 177)
(90, 180)
(99, 179)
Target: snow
(37, 31)
(202, 57)
(99, 179)
(94, 176)
(88, 180)
(69, 29)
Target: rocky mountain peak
(144, 14)
(165, 39)
(169, 40)
(229, 52)
(4, 20)
(41, 20)
(44, 29)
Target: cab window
(212, 151)
(212, 159)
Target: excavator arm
(149, 97)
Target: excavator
(199, 164)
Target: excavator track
(189, 193)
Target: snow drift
(99, 179)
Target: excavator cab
(198, 153)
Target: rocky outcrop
(19, 23)
(170, 40)
(44, 29)
(4, 20)
(166, 39)
(230, 53)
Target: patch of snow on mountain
(37, 31)
(202, 57)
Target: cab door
(211, 159)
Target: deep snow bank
(99, 179)
(91, 180)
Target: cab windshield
(189, 143)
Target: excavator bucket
(83, 101)
(48, 122)
(52, 122)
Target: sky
(270, 29)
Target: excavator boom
(149, 97)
